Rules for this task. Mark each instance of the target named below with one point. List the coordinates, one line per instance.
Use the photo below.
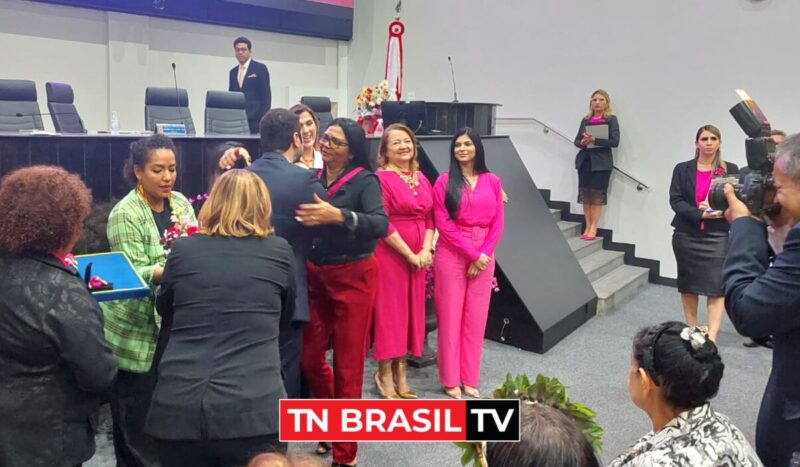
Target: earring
(140, 189)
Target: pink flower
(719, 172)
(191, 230)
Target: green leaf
(468, 454)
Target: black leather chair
(18, 107)
(225, 113)
(411, 114)
(322, 107)
(60, 103)
(167, 105)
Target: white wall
(670, 67)
(110, 58)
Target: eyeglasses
(335, 142)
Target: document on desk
(598, 130)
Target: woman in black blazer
(700, 239)
(594, 160)
(225, 293)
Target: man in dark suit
(289, 186)
(251, 78)
(763, 299)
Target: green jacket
(131, 326)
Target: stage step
(600, 263)
(612, 279)
(570, 229)
(618, 285)
(583, 248)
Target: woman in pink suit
(402, 258)
(468, 210)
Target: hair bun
(706, 352)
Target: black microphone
(178, 96)
(453, 75)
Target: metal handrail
(547, 129)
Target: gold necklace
(411, 181)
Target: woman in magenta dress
(402, 258)
(468, 210)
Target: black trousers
(216, 452)
(778, 427)
(130, 401)
(253, 123)
(291, 344)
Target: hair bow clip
(695, 335)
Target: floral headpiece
(544, 390)
(695, 335)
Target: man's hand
(231, 156)
(736, 208)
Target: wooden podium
(449, 117)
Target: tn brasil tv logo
(399, 420)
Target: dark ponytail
(455, 182)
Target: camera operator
(763, 299)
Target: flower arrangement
(182, 225)
(544, 390)
(369, 100)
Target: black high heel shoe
(323, 448)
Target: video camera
(756, 188)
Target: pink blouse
(479, 207)
(702, 185)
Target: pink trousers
(462, 307)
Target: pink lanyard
(333, 188)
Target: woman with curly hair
(136, 226)
(675, 371)
(54, 361)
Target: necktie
(242, 71)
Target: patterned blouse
(699, 437)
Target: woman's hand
(482, 262)
(414, 260)
(231, 156)
(712, 214)
(707, 213)
(587, 139)
(318, 213)
(473, 271)
(425, 257)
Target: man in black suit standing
(251, 78)
(763, 299)
(289, 186)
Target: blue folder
(116, 268)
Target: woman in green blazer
(140, 225)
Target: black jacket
(761, 300)
(256, 88)
(600, 157)
(224, 300)
(54, 363)
(365, 221)
(688, 216)
(289, 186)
